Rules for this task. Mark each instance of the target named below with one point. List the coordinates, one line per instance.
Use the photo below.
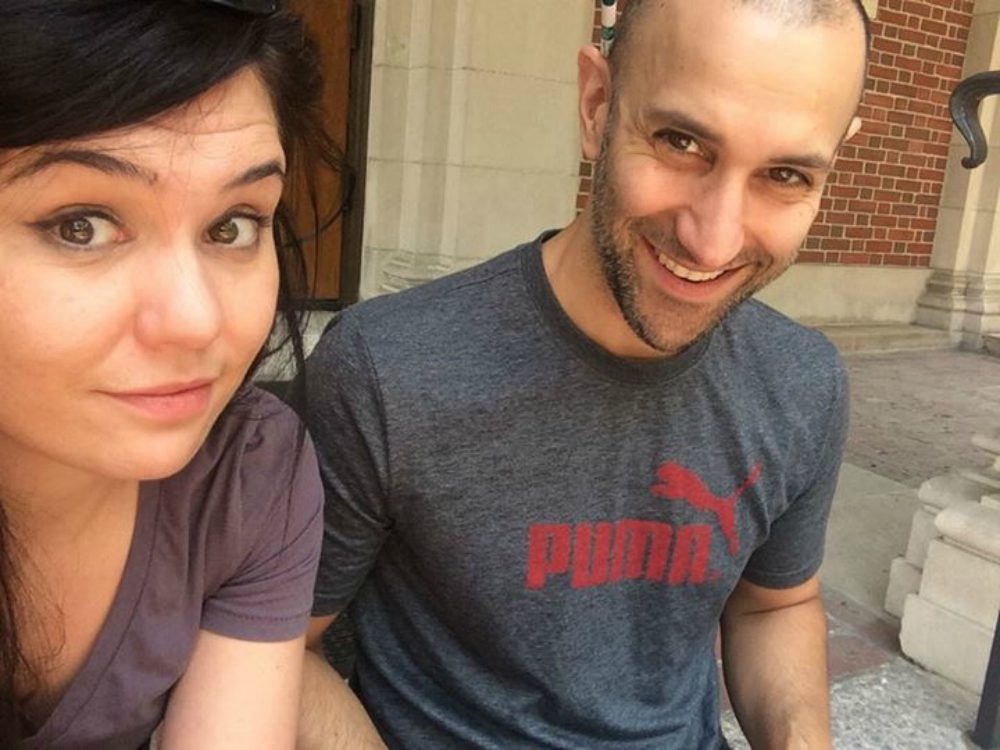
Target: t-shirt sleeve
(267, 596)
(793, 551)
(346, 416)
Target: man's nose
(711, 227)
(178, 305)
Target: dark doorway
(343, 30)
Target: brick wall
(881, 206)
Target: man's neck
(573, 268)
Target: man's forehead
(740, 47)
(681, 33)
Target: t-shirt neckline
(112, 633)
(596, 356)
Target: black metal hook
(965, 100)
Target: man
(551, 476)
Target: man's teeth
(686, 273)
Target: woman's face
(138, 280)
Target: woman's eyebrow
(273, 168)
(100, 161)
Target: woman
(159, 518)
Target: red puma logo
(678, 483)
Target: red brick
(930, 54)
(839, 218)
(884, 72)
(909, 35)
(884, 221)
(879, 100)
(858, 259)
(934, 27)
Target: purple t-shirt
(229, 544)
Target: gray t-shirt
(229, 544)
(537, 538)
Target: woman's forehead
(221, 131)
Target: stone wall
(473, 141)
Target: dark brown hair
(73, 68)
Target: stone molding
(963, 293)
(947, 587)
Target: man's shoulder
(781, 352)
(757, 325)
(444, 295)
(448, 319)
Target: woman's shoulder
(255, 426)
(255, 456)
(249, 492)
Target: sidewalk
(913, 416)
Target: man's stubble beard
(618, 266)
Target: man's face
(721, 133)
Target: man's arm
(774, 657)
(330, 717)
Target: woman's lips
(168, 401)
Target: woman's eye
(236, 231)
(84, 231)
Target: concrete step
(991, 345)
(886, 338)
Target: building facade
(473, 147)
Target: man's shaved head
(714, 129)
(792, 12)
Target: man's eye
(83, 231)
(788, 176)
(236, 231)
(680, 142)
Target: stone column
(473, 143)
(948, 625)
(946, 588)
(963, 293)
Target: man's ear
(853, 128)
(594, 82)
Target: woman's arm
(235, 694)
